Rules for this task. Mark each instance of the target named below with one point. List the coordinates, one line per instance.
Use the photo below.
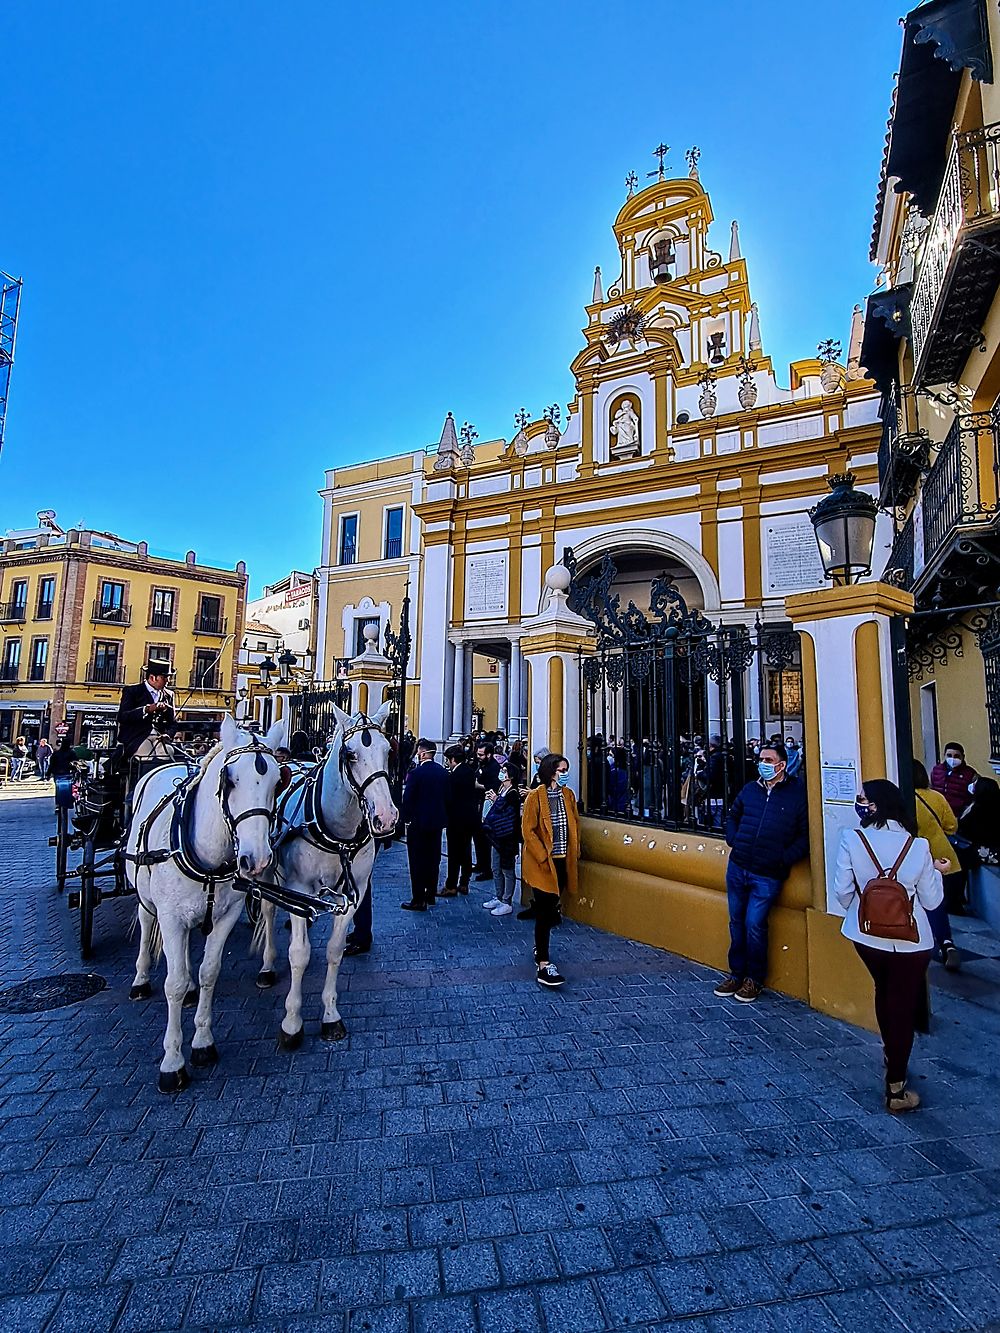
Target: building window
(209, 619)
(359, 632)
(111, 604)
(39, 659)
(205, 675)
(46, 597)
(160, 652)
(106, 666)
(349, 539)
(393, 533)
(16, 607)
(11, 659)
(262, 645)
(161, 615)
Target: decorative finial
(469, 435)
(598, 296)
(631, 181)
(734, 243)
(755, 340)
(520, 441)
(692, 157)
(521, 418)
(447, 454)
(829, 349)
(660, 151)
(553, 416)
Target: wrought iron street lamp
(286, 661)
(844, 522)
(266, 669)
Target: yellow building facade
(932, 343)
(82, 611)
(681, 451)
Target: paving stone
(511, 1311)
(160, 1303)
(223, 1298)
(452, 1314)
(288, 1289)
(411, 1273)
(90, 1308)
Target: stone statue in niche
(625, 429)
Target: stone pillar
(469, 654)
(458, 695)
(551, 644)
(855, 728)
(515, 711)
(369, 673)
(503, 698)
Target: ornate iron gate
(664, 702)
(312, 710)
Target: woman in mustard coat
(550, 826)
(937, 822)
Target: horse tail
(155, 942)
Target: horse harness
(181, 850)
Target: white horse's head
(248, 782)
(361, 751)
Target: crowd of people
(30, 758)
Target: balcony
(899, 567)
(960, 490)
(211, 625)
(393, 548)
(960, 268)
(206, 679)
(161, 620)
(903, 456)
(105, 673)
(13, 611)
(44, 611)
(103, 613)
(36, 672)
(8, 670)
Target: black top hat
(157, 667)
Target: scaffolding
(10, 300)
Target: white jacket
(916, 874)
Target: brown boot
(898, 1098)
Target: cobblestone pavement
(480, 1154)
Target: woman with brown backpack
(887, 881)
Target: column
(458, 697)
(515, 710)
(469, 651)
(448, 716)
(503, 698)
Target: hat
(157, 666)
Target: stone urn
(708, 401)
(747, 394)
(829, 376)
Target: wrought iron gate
(664, 702)
(312, 710)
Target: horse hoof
(334, 1031)
(141, 992)
(175, 1081)
(191, 998)
(289, 1041)
(202, 1056)
(265, 980)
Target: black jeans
(899, 986)
(459, 839)
(484, 849)
(547, 911)
(423, 851)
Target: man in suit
(144, 705)
(424, 816)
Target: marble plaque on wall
(791, 556)
(486, 585)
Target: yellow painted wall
(961, 704)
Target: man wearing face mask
(768, 832)
(953, 776)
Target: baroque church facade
(680, 452)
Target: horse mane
(207, 758)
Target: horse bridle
(260, 764)
(366, 727)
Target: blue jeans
(504, 877)
(751, 898)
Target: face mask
(534, 767)
(863, 812)
(952, 761)
(503, 775)
(562, 779)
(766, 770)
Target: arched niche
(624, 427)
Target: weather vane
(659, 152)
(692, 158)
(521, 419)
(631, 181)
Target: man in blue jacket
(424, 817)
(768, 831)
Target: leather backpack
(885, 909)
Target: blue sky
(258, 241)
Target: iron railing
(9, 670)
(210, 625)
(953, 494)
(899, 567)
(105, 613)
(44, 611)
(393, 548)
(105, 673)
(14, 611)
(969, 200)
(161, 620)
(206, 679)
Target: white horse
(324, 849)
(189, 836)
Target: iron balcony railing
(899, 567)
(960, 489)
(969, 202)
(210, 624)
(161, 620)
(44, 611)
(105, 673)
(393, 548)
(8, 670)
(202, 679)
(106, 614)
(17, 611)
(36, 671)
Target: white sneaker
(490, 903)
(502, 909)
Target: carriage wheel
(62, 844)
(88, 894)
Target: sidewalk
(480, 1155)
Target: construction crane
(10, 300)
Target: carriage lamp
(844, 522)
(661, 261)
(266, 669)
(286, 661)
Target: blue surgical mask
(562, 779)
(766, 770)
(952, 761)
